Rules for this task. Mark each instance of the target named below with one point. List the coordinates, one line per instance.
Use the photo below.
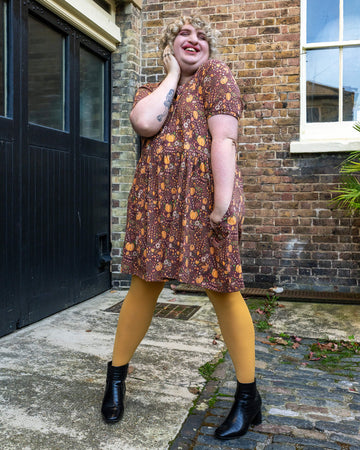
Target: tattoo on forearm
(167, 103)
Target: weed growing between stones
(265, 310)
(333, 356)
(208, 368)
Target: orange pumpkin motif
(158, 266)
(129, 246)
(194, 215)
(170, 137)
(231, 220)
(201, 141)
(215, 273)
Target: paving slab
(53, 377)
(317, 320)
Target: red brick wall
(292, 237)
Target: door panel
(48, 230)
(94, 232)
(9, 308)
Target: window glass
(351, 19)
(92, 104)
(3, 59)
(46, 76)
(322, 85)
(322, 21)
(351, 82)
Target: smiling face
(191, 49)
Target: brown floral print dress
(168, 234)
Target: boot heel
(257, 419)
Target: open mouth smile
(190, 49)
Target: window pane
(46, 75)
(322, 21)
(322, 85)
(351, 19)
(3, 59)
(92, 104)
(351, 91)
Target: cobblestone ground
(303, 407)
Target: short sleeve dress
(168, 233)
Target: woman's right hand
(170, 63)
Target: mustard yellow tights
(233, 315)
(134, 318)
(237, 330)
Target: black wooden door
(55, 157)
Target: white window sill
(322, 146)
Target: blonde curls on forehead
(172, 30)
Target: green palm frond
(349, 194)
(351, 164)
(357, 126)
(349, 191)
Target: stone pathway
(303, 407)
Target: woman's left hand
(215, 219)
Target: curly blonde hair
(172, 30)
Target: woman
(185, 211)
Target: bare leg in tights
(238, 332)
(135, 318)
(232, 312)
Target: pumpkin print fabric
(168, 233)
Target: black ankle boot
(245, 411)
(113, 404)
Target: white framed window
(329, 76)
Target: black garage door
(54, 165)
